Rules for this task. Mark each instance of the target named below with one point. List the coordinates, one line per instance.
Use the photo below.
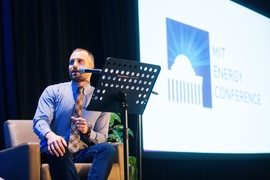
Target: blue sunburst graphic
(194, 44)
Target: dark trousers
(101, 155)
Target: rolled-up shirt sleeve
(99, 132)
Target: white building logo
(183, 83)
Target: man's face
(77, 60)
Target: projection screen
(213, 88)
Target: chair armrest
(120, 158)
(20, 162)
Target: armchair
(21, 158)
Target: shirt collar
(87, 88)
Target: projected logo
(189, 78)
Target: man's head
(80, 58)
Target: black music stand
(124, 86)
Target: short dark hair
(90, 54)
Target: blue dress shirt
(55, 108)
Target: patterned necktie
(74, 137)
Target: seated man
(68, 132)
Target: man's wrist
(46, 134)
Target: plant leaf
(133, 170)
(130, 132)
(118, 136)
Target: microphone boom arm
(90, 70)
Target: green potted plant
(115, 134)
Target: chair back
(19, 131)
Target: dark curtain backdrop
(36, 40)
(38, 36)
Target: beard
(77, 77)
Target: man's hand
(80, 124)
(56, 144)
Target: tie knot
(80, 90)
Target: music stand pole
(123, 104)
